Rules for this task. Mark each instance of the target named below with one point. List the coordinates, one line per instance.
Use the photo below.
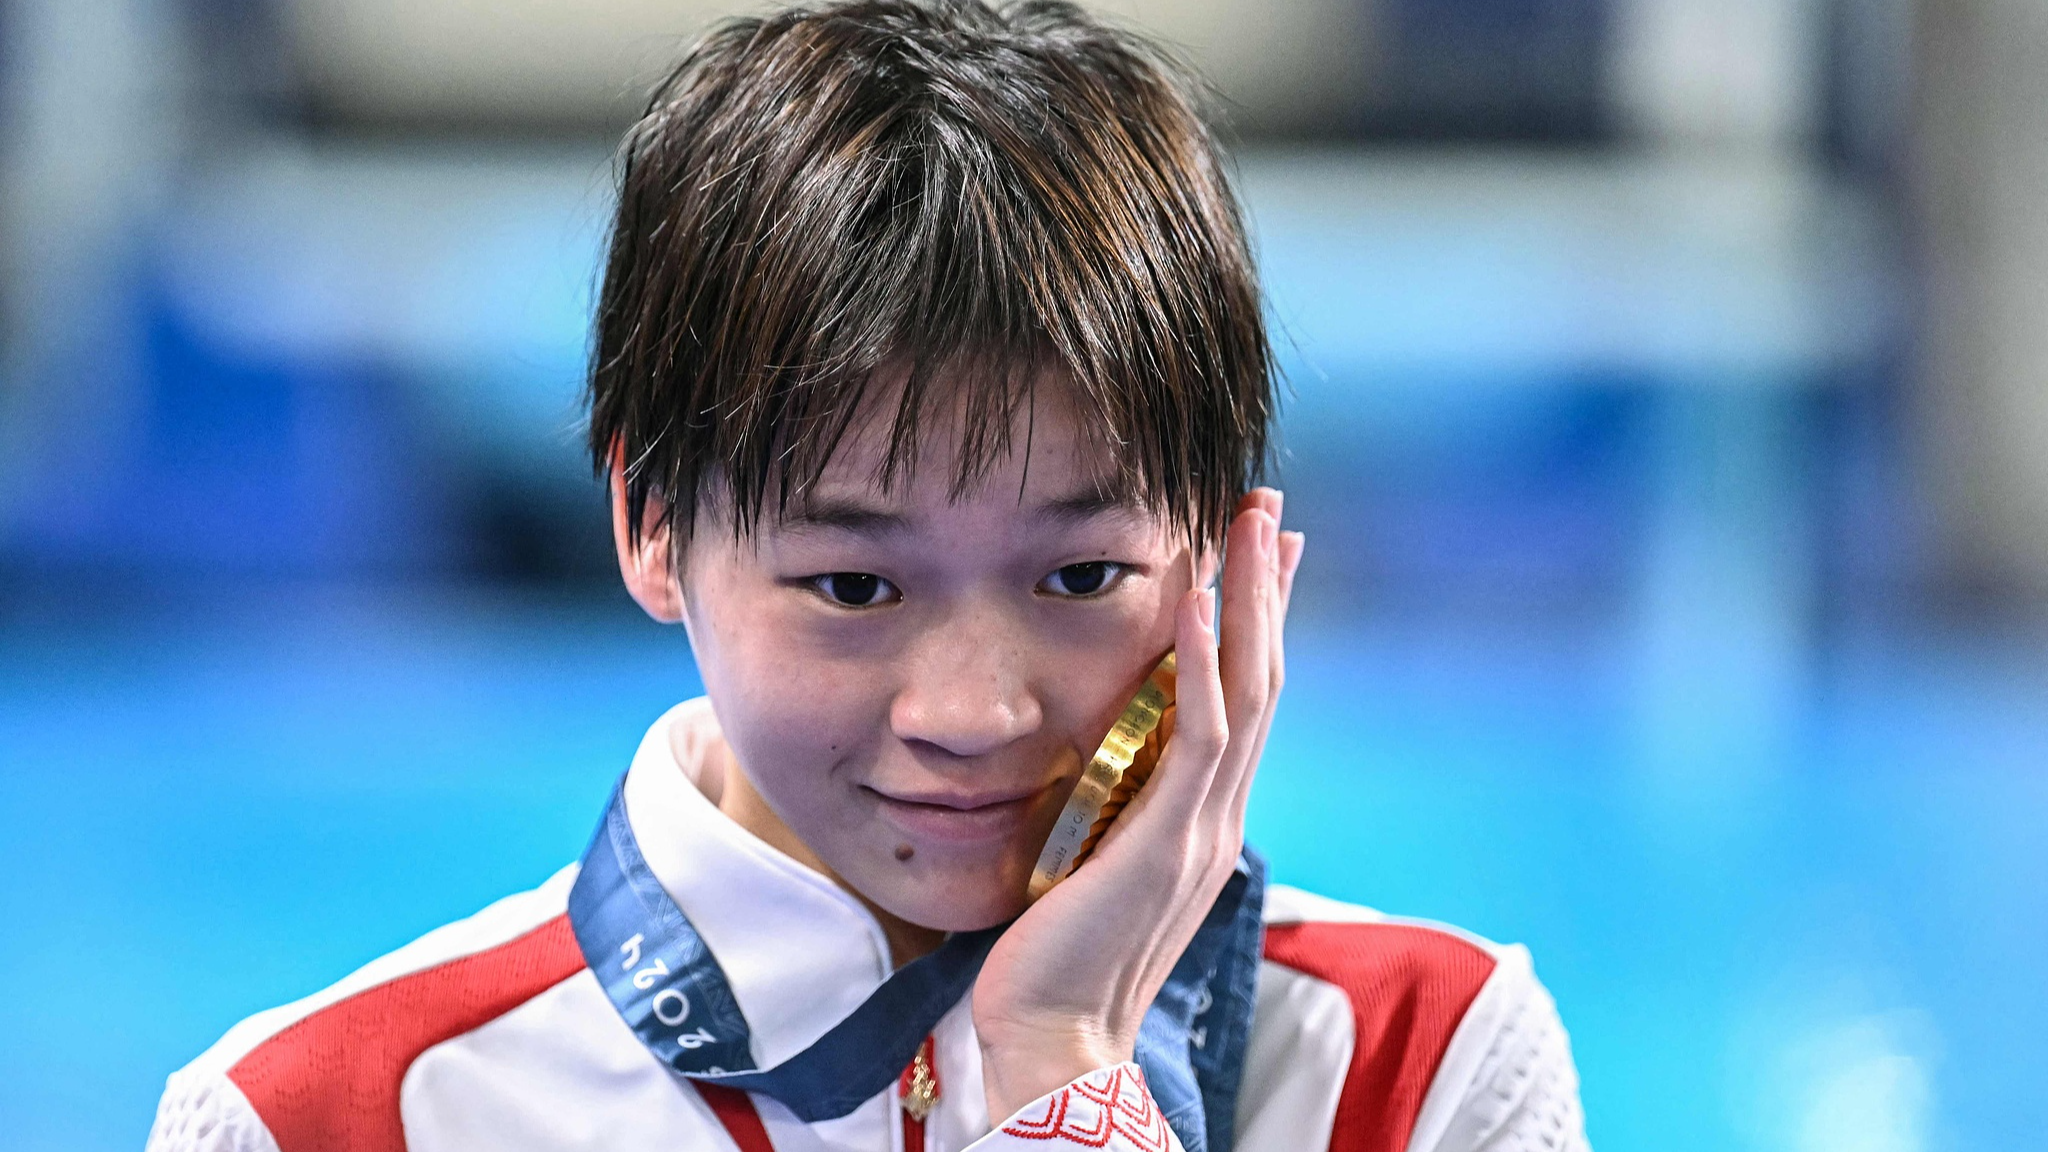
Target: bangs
(922, 214)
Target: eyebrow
(1087, 505)
(850, 517)
(855, 518)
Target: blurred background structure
(1669, 417)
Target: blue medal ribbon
(668, 987)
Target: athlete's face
(910, 680)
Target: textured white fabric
(1303, 1035)
(200, 1110)
(498, 1087)
(562, 1071)
(1108, 1108)
(962, 1113)
(1507, 1083)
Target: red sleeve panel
(1409, 987)
(330, 1082)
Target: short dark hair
(821, 196)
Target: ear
(649, 569)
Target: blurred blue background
(1667, 417)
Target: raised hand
(1064, 990)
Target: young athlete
(930, 384)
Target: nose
(967, 691)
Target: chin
(964, 916)
(959, 899)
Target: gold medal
(1119, 768)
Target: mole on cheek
(905, 851)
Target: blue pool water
(1813, 925)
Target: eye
(855, 589)
(1085, 579)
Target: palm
(1064, 989)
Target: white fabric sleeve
(1109, 1108)
(1507, 1082)
(205, 1112)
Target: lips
(959, 817)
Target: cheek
(1100, 672)
(789, 713)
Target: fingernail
(1269, 537)
(1205, 610)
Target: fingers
(1291, 546)
(1186, 774)
(1227, 688)
(1250, 592)
(1246, 626)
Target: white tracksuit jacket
(1371, 1034)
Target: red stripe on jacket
(329, 1083)
(1409, 987)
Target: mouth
(959, 817)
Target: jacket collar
(800, 952)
